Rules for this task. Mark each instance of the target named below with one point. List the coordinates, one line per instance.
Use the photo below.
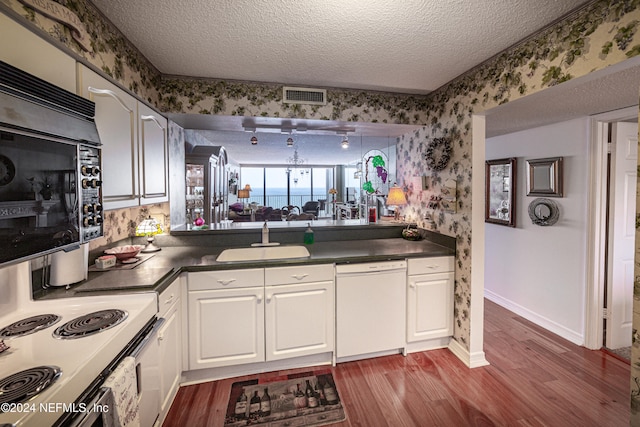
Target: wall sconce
(289, 142)
(345, 142)
(149, 227)
(254, 140)
(358, 173)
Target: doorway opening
(612, 211)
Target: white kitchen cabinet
(226, 321)
(134, 144)
(29, 52)
(430, 294)
(299, 318)
(154, 156)
(170, 340)
(235, 319)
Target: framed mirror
(500, 182)
(544, 177)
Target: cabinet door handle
(226, 282)
(259, 299)
(170, 299)
(299, 276)
(412, 286)
(432, 267)
(109, 93)
(269, 298)
(151, 118)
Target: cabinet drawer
(298, 274)
(168, 297)
(226, 279)
(430, 265)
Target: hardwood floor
(535, 379)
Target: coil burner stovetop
(23, 385)
(29, 325)
(90, 324)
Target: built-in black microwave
(50, 168)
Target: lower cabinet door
(226, 327)
(429, 306)
(170, 356)
(299, 319)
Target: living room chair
(311, 207)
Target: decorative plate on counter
(7, 170)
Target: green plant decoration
(368, 187)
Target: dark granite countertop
(159, 271)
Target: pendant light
(345, 142)
(254, 140)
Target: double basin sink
(262, 253)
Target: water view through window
(277, 186)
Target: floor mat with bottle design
(304, 399)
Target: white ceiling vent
(304, 95)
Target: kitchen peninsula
(196, 250)
(208, 296)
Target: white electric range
(67, 366)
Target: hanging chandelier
(295, 163)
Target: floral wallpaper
(110, 51)
(603, 33)
(236, 98)
(120, 224)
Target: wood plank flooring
(535, 379)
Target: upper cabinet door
(154, 167)
(134, 140)
(28, 52)
(116, 119)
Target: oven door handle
(156, 326)
(103, 400)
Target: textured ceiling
(411, 46)
(373, 45)
(612, 88)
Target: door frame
(597, 223)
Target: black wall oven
(50, 168)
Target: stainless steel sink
(262, 253)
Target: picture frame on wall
(544, 177)
(500, 191)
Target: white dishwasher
(370, 308)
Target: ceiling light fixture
(295, 163)
(345, 142)
(289, 142)
(254, 140)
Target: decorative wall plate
(544, 212)
(7, 170)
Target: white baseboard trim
(541, 321)
(472, 360)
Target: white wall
(539, 272)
